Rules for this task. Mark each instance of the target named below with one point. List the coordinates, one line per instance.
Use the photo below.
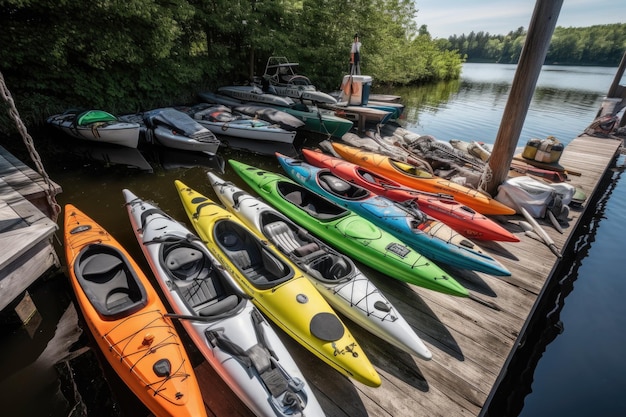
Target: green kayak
(347, 231)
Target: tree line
(129, 56)
(594, 45)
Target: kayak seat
(321, 208)
(290, 243)
(368, 177)
(195, 278)
(219, 307)
(282, 236)
(261, 268)
(258, 264)
(109, 281)
(341, 188)
(184, 262)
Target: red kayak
(459, 217)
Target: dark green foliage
(134, 55)
(594, 45)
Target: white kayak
(226, 327)
(97, 126)
(335, 275)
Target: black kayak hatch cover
(327, 327)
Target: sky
(445, 18)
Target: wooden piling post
(540, 32)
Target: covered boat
(174, 129)
(97, 126)
(222, 120)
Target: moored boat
(264, 112)
(426, 235)
(460, 217)
(254, 94)
(97, 126)
(223, 323)
(174, 129)
(280, 76)
(277, 287)
(347, 231)
(128, 320)
(315, 119)
(335, 275)
(414, 177)
(221, 120)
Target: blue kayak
(428, 236)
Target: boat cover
(173, 118)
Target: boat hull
(428, 236)
(116, 133)
(126, 317)
(460, 217)
(288, 299)
(191, 292)
(345, 288)
(423, 181)
(347, 231)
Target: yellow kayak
(277, 287)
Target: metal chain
(28, 141)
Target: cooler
(356, 89)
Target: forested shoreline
(601, 45)
(131, 56)
(126, 57)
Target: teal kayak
(426, 235)
(347, 231)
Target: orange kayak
(126, 318)
(414, 177)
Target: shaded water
(573, 364)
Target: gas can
(530, 150)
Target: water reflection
(546, 325)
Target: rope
(485, 179)
(28, 141)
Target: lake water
(571, 364)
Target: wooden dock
(472, 343)
(26, 229)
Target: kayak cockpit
(252, 258)
(314, 204)
(109, 281)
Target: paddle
(536, 228)
(194, 318)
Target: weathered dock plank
(472, 341)
(26, 249)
